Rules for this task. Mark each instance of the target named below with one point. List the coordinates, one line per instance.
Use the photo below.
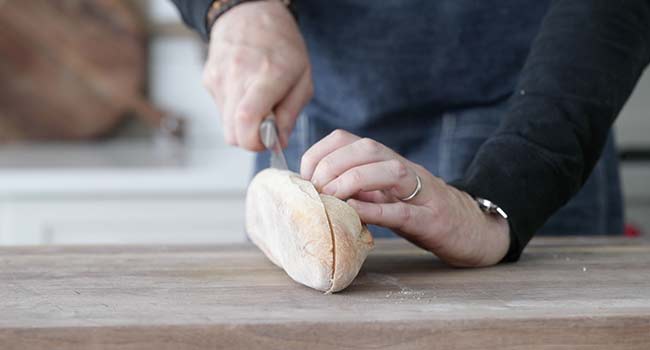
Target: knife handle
(269, 132)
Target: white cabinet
(122, 194)
(123, 220)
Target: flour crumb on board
(404, 292)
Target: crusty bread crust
(318, 240)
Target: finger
(338, 138)
(360, 152)
(288, 110)
(407, 218)
(226, 126)
(391, 176)
(229, 132)
(235, 92)
(257, 103)
(213, 81)
(374, 197)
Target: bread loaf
(318, 240)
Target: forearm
(582, 68)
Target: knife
(271, 140)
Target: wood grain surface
(586, 293)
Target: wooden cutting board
(564, 294)
(69, 69)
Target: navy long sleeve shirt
(566, 67)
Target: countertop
(591, 293)
(122, 167)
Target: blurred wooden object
(70, 69)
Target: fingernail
(330, 188)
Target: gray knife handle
(271, 140)
(269, 132)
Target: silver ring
(418, 187)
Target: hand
(441, 218)
(257, 63)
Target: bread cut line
(317, 239)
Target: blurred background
(107, 135)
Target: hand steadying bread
(287, 214)
(317, 239)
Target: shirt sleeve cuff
(194, 14)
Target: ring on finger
(418, 188)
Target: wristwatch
(490, 208)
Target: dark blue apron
(430, 79)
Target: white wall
(633, 124)
(176, 64)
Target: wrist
(497, 239)
(499, 229)
(482, 238)
(220, 7)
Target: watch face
(484, 204)
(488, 207)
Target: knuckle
(356, 176)
(338, 135)
(400, 171)
(270, 67)
(353, 178)
(403, 213)
(238, 58)
(245, 117)
(369, 145)
(380, 211)
(325, 167)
